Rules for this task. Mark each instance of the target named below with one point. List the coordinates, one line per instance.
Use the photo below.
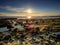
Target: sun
(29, 11)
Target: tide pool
(17, 26)
(3, 29)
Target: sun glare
(29, 11)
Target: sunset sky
(29, 7)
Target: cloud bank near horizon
(22, 12)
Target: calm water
(5, 28)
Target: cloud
(22, 12)
(18, 10)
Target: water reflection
(3, 29)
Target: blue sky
(38, 7)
